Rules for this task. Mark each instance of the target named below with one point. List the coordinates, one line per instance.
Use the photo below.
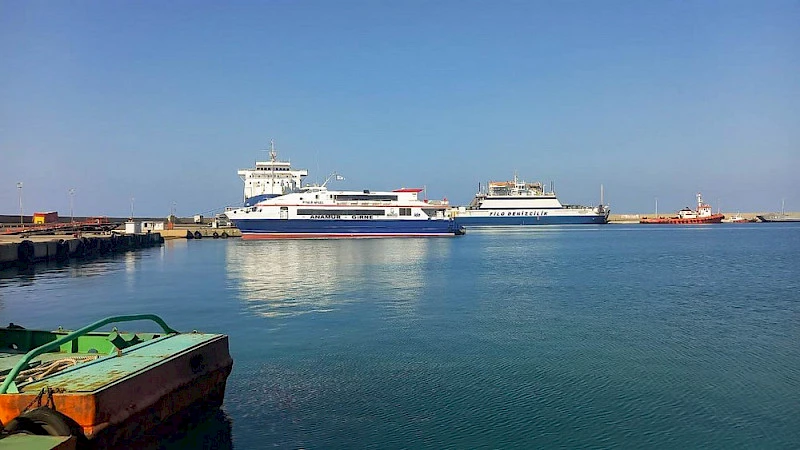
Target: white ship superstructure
(270, 178)
(316, 212)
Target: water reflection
(25, 276)
(292, 277)
(206, 430)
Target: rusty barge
(104, 389)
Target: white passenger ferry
(316, 212)
(270, 178)
(516, 202)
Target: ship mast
(601, 194)
(272, 157)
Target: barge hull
(117, 398)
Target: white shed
(152, 226)
(132, 227)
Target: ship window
(405, 211)
(341, 212)
(372, 197)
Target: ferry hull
(325, 229)
(490, 221)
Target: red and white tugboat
(703, 214)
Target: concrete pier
(22, 252)
(200, 232)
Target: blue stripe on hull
(389, 227)
(463, 221)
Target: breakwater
(24, 252)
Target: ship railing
(579, 207)
(8, 383)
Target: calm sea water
(612, 336)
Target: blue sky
(163, 101)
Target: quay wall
(200, 232)
(23, 252)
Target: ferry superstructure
(515, 203)
(316, 212)
(270, 178)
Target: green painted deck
(8, 360)
(31, 442)
(15, 343)
(94, 375)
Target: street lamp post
(71, 211)
(19, 186)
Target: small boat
(702, 214)
(106, 389)
(778, 217)
(736, 218)
(315, 212)
(515, 203)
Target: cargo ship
(515, 203)
(316, 212)
(703, 214)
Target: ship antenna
(272, 157)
